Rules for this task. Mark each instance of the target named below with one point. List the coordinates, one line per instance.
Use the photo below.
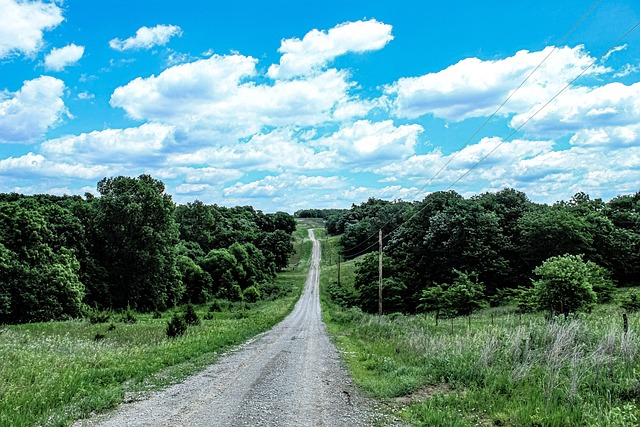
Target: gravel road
(291, 375)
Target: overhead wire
(451, 158)
(545, 105)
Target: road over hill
(289, 376)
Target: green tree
(367, 284)
(36, 282)
(224, 270)
(565, 285)
(138, 237)
(197, 282)
(462, 297)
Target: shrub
(129, 316)
(176, 327)
(251, 294)
(565, 285)
(99, 316)
(190, 315)
(631, 302)
(218, 306)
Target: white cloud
(146, 38)
(317, 48)
(475, 88)
(601, 162)
(84, 96)
(22, 24)
(192, 188)
(28, 113)
(35, 165)
(58, 59)
(256, 189)
(142, 145)
(613, 104)
(626, 70)
(199, 175)
(364, 142)
(272, 151)
(214, 93)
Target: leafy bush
(176, 327)
(190, 315)
(565, 285)
(251, 294)
(129, 316)
(631, 302)
(460, 298)
(99, 316)
(219, 305)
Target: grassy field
(506, 369)
(57, 372)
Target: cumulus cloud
(22, 24)
(317, 48)
(192, 188)
(603, 163)
(59, 59)
(291, 192)
(475, 88)
(364, 142)
(28, 113)
(613, 104)
(35, 165)
(216, 93)
(272, 151)
(140, 145)
(146, 38)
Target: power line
(484, 124)
(529, 119)
(466, 144)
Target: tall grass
(504, 370)
(54, 373)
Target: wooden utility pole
(380, 273)
(338, 268)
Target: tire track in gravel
(291, 375)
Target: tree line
(132, 248)
(492, 246)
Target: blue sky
(286, 105)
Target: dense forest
(487, 248)
(132, 248)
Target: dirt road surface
(289, 376)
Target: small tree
(631, 303)
(176, 327)
(564, 285)
(460, 298)
(190, 315)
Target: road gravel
(291, 375)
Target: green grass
(506, 369)
(54, 373)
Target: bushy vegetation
(500, 368)
(131, 248)
(56, 372)
(499, 238)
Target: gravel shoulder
(291, 375)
